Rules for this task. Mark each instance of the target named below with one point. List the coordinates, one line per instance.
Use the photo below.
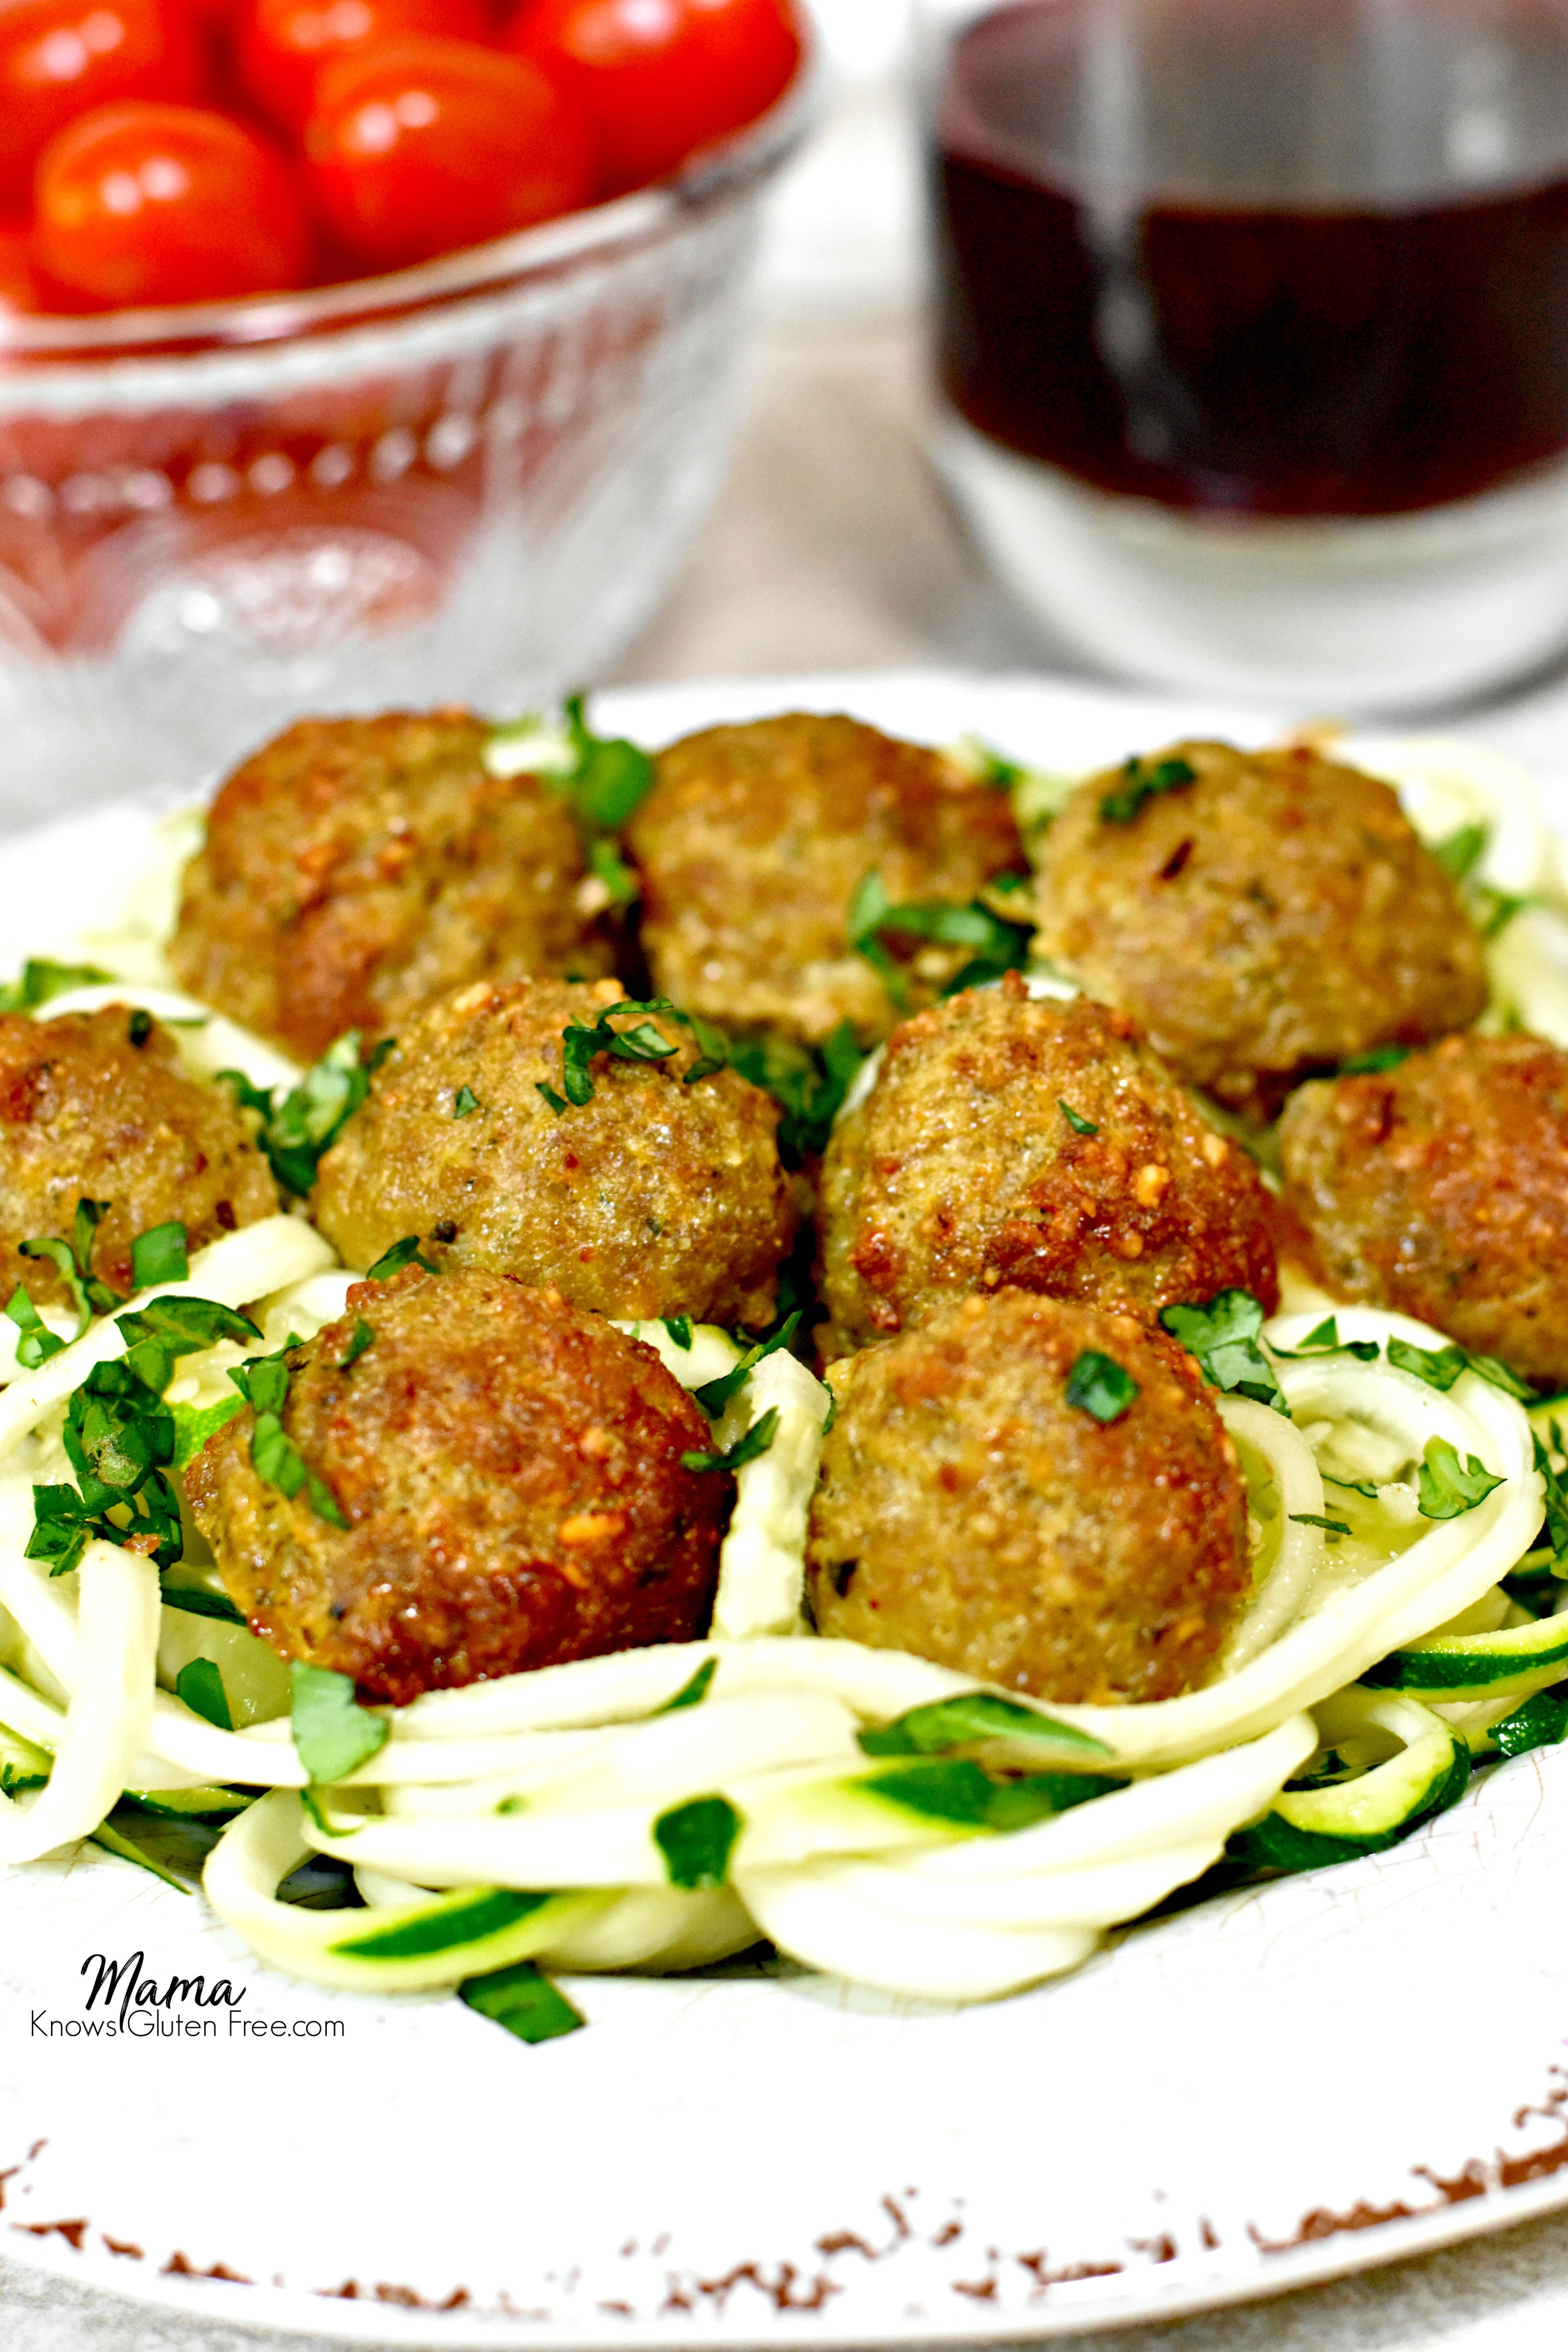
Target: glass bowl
(466, 482)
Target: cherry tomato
(423, 146)
(57, 57)
(141, 204)
(659, 79)
(19, 290)
(284, 45)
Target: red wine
(1276, 256)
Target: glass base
(1354, 616)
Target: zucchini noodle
(661, 1809)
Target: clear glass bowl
(466, 482)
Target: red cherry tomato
(57, 57)
(144, 205)
(285, 45)
(19, 290)
(659, 79)
(423, 146)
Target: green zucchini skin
(1473, 1665)
(1298, 1833)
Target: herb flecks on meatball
(752, 845)
(510, 1472)
(970, 1512)
(662, 1194)
(1035, 1144)
(1439, 1188)
(95, 1106)
(1263, 916)
(356, 867)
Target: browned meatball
(509, 1470)
(656, 1197)
(963, 1170)
(1277, 915)
(355, 868)
(95, 1106)
(752, 843)
(970, 1512)
(1440, 1189)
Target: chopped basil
(1333, 1528)
(749, 1448)
(1099, 1386)
(714, 1395)
(1540, 1722)
(612, 777)
(1224, 1336)
(1075, 1119)
(1325, 1340)
(1141, 783)
(333, 1733)
(1493, 910)
(808, 1084)
(697, 1840)
(403, 1253)
(1379, 1059)
(363, 1338)
(296, 1132)
(464, 1102)
(1441, 1367)
(41, 980)
(522, 2001)
(679, 1330)
(1461, 851)
(581, 1041)
(1556, 1497)
(692, 1692)
(276, 1458)
(999, 946)
(73, 1260)
(611, 868)
(165, 1328)
(37, 1343)
(957, 1790)
(139, 1028)
(200, 1686)
(195, 1601)
(1447, 1490)
(972, 1715)
(160, 1254)
(558, 1102)
(1353, 1486)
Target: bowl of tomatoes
(357, 353)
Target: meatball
(355, 868)
(510, 1472)
(1273, 916)
(655, 1197)
(95, 1106)
(1035, 1144)
(1440, 1189)
(752, 843)
(970, 1512)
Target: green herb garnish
(714, 1395)
(679, 1330)
(1556, 1485)
(37, 1343)
(692, 1692)
(307, 1123)
(749, 1448)
(809, 1085)
(464, 1102)
(1461, 851)
(200, 1686)
(697, 1840)
(363, 1338)
(391, 1261)
(333, 1733)
(1099, 1386)
(1540, 1722)
(959, 1790)
(973, 1716)
(1379, 1059)
(1333, 1528)
(41, 980)
(558, 1102)
(1143, 781)
(1075, 1119)
(1441, 1367)
(160, 1254)
(1447, 1490)
(1224, 1336)
(195, 1601)
(522, 2001)
(1325, 1340)
(872, 917)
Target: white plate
(1282, 2084)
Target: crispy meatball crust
(963, 1172)
(356, 867)
(1277, 917)
(654, 1198)
(85, 1111)
(1440, 1189)
(510, 1472)
(968, 1513)
(754, 839)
